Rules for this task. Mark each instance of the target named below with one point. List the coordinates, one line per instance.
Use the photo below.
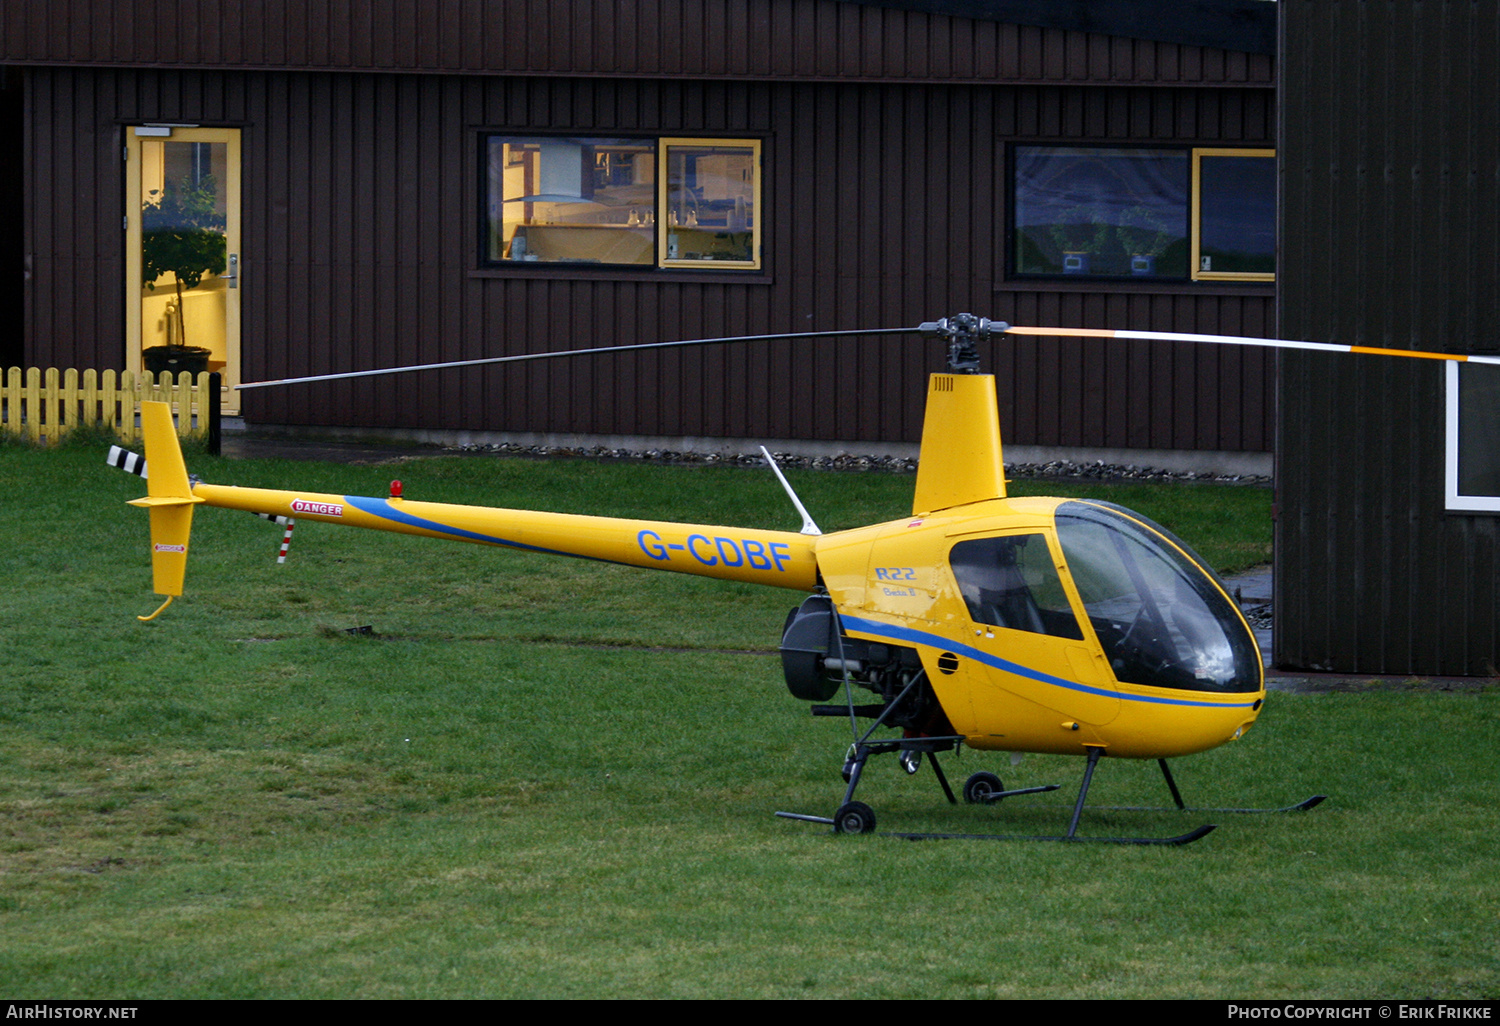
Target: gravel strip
(1099, 471)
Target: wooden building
(403, 182)
(1388, 471)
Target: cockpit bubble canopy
(1161, 616)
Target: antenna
(808, 527)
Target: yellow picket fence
(44, 405)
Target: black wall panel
(1390, 196)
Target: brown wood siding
(803, 39)
(885, 206)
(1391, 191)
(12, 218)
(72, 236)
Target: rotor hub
(962, 332)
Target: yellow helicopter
(1004, 624)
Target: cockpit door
(1024, 631)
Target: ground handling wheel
(854, 818)
(981, 787)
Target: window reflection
(665, 202)
(1236, 215)
(572, 200)
(1158, 615)
(1474, 436)
(1111, 212)
(710, 202)
(1011, 582)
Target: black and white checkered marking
(126, 460)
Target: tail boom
(778, 558)
(782, 559)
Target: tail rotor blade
(124, 459)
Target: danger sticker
(169, 548)
(327, 509)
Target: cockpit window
(1157, 613)
(1012, 582)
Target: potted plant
(1144, 237)
(182, 233)
(1079, 242)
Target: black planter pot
(176, 359)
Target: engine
(817, 657)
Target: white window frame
(1463, 503)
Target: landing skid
(1302, 806)
(1180, 806)
(855, 817)
(1180, 839)
(858, 818)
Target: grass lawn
(553, 778)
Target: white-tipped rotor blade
(1245, 340)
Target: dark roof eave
(1244, 26)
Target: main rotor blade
(577, 352)
(1242, 340)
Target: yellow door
(183, 281)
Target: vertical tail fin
(170, 501)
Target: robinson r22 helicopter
(1005, 624)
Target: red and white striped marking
(286, 540)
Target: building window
(1101, 212)
(1473, 458)
(711, 194)
(623, 202)
(1144, 213)
(1234, 215)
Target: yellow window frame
(1196, 254)
(675, 237)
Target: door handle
(233, 277)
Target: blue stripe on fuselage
(917, 637)
(383, 509)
